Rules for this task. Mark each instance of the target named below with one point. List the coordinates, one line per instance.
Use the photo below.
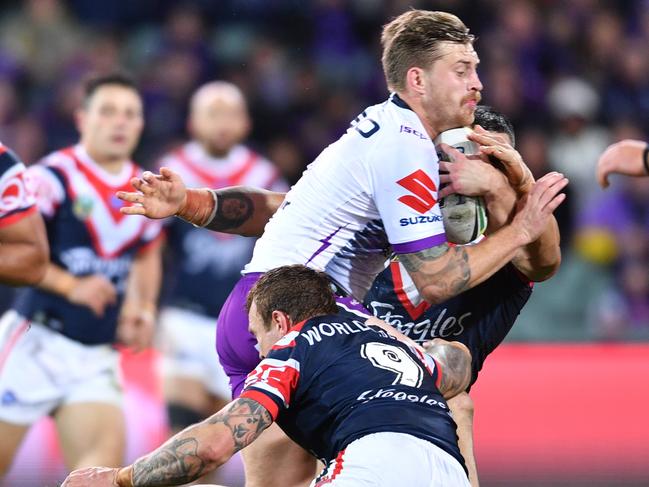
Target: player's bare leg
(12, 435)
(462, 408)
(274, 460)
(91, 434)
(191, 394)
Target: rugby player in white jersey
(372, 192)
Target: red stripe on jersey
(264, 400)
(3, 149)
(338, 468)
(276, 378)
(213, 180)
(414, 311)
(94, 234)
(438, 367)
(16, 216)
(106, 191)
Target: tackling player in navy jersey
(23, 241)
(371, 407)
(101, 286)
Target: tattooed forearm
(234, 208)
(455, 360)
(245, 418)
(201, 448)
(449, 280)
(175, 463)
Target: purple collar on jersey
(396, 99)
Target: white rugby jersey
(371, 192)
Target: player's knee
(461, 404)
(181, 416)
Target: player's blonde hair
(414, 38)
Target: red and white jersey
(15, 201)
(372, 192)
(71, 176)
(241, 167)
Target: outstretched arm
(629, 157)
(188, 455)
(239, 210)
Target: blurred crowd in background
(573, 76)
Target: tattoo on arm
(246, 419)
(183, 458)
(234, 208)
(456, 368)
(452, 279)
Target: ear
(281, 322)
(415, 78)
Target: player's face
(266, 338)
(219, 121)
(452, 87)
(111, 122)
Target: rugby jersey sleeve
(15, 200)
(404, 175)
(275, 380)
(46, 188)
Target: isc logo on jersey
(422, 198)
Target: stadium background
(563, 403)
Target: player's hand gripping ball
(465, 217)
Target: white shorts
(187, 341)
(392, 460)
(41, 370)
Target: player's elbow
(462, 405)
(215, 453)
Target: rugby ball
(465, 217)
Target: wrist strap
(645, 159)
(199, 208)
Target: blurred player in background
(206, 265)
(368, 405)
(23, 242)
(628, 157)
(101, 286)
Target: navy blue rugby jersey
(87, 235)
(334, 379)
(480, 317)
(204, 266)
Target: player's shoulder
(59, 160)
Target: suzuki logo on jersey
(423, 191)
(416, 220)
